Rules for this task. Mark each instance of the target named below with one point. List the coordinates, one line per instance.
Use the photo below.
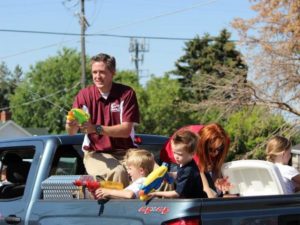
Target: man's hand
(72, 126)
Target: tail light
(184, 221)
(137, 140)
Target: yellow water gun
(154, 180)
(79, 115)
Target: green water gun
(79, 115)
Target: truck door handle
(12, 219)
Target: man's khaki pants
(110, 166)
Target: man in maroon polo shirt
(113, 110)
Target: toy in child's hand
(79, 115)
(154, 180)
(92, 185)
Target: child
(188, 180)
(3, 179)
(139, 164)
(279, 152)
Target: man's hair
(276, 146)
(188, 138)
(109, 61)
(140, 158)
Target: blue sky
(146, 18)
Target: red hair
(212, 136)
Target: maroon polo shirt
(120, 106)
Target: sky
(162, 24)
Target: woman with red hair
(212, 150)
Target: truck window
(14, 169)
(68, 161)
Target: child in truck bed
(279, 152)
(139, 164)
(188, 179)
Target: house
(9, 129)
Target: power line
(44, 98)
(77, 34)
(87, 34)
(31, 50)
(163, 15)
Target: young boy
(139, 164)
(188, 179)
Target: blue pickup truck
(36, 159)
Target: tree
(47, 92)
(4, 91)
(206, 63)
(8, 83)
(249, 137)
(272, 39)
(160, 111)
(215, 77)
(211, 70)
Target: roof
(37, 131)
(10, 128)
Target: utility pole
(135, 48)
(83, 24)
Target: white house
(9, 129)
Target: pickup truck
(40, 157)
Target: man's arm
(121, 130)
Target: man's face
(102, 76)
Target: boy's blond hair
(276, 146)
(140, 158)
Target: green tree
(207, 62)
(127, 77)
(8, 83)
(47, 92)
(160, 112)
(249, 130)
(4, 90)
